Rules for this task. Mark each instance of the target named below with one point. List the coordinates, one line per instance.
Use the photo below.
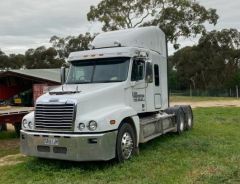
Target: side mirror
(63, 75)
(149, 72)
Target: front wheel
(126, 143)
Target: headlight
(25, 123)
(81, 126)
(92, 125)
(30, 125)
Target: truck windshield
(98, 71)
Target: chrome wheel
(182, 124)
(126, 145)
(189, 121)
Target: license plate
(51, 141)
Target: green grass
(4, 135)
(8, 144)
(9, 151)
(210, 153)
(198, 98)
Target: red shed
(35, 81)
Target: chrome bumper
(74, 147)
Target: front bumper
(74, 147)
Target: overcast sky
(30, 23)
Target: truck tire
(179, 117)
(126, 142)
(188, 116)
(17, 128)
(180, 120)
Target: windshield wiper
(78, 83)
(107, 81)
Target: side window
(149, 72)
(156, 74)
(137, 70)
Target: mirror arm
(63, 75)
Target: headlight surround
(92, 125)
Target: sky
(28, 24)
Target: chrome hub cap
(182, 124)
(126, 145)
(189, 121)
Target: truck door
(138, 85)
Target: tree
(213, 64)
(42, 57)
(177, 18)
(64, 46)
(4, 62)
(16, 61)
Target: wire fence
(231, 92)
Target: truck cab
(115, 96)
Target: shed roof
(52, 75)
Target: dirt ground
(13, 143)
(11, 160)
(218, 103)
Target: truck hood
(104, 93)
(80, 88)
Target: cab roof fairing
(105, 53)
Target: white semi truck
(115, 97)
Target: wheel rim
(181, 124)
(126, 145)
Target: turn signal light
(112, 122)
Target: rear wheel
(188, 116)
(179, 117)
(180, 120)
(126, 143)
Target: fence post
(237, 91)
(190, 91)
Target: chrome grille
(54, 116)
